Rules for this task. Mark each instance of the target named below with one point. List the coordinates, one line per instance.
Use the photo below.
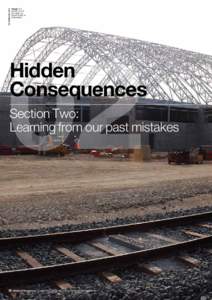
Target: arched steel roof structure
(169, 73)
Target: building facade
(194, 121)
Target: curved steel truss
(169, 73)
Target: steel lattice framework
(169, 73)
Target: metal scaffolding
(168, 73)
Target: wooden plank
(34, 263)
(209, 226)
(209, 251)
(163, 238)
(147, 268)
(191, 261)
(195, 234)
(143, 267)
(63, 285)
(104, 248)
(69, 253)
(126, 241)
(12, 294)
(113, 278)
(31, 261)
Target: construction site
(120, 213)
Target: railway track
(104, 250)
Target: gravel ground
(173, 283)
(166, 196)
(38, 192)
(50, 195)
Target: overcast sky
(185, 24)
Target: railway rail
(104, 250)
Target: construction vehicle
(193, 156)
(60, 150)
(206, 151)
